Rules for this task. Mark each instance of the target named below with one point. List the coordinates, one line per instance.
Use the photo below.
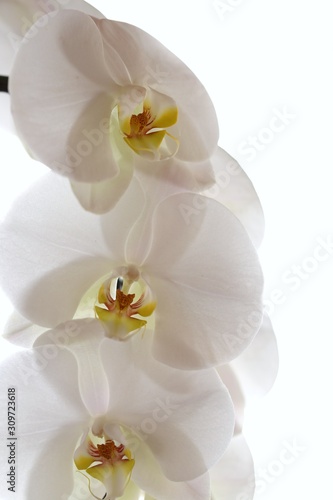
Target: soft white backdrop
(261, 59)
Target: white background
(259, 58)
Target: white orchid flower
(17, 17)
(108, 411)
(93, 99)
(249, 376)
(196, 279)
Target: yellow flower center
(117, 308)
(108, 451)
(141, 124)
(107, 462)
(123, 300)
(144, 115)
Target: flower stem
(4, 84)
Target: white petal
(253, 372)
(20, 331)
(149, 476)
(17, 17)
(50, 257)
(6, 120)
(229, 378)
(168, 178)
(83, 339)
(234, 189)
(7, 52)
(257, 367)
(46, 252)
(52, 420)
(13, 24)
(186, 418)
(61, 102)
(207, 280)
(198, 128)
(233, 477)
(81, 6)
(100, 197)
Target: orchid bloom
(18, 16)
(102, 417)
(195, 276)
(127, 103)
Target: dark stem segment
(4, 84)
